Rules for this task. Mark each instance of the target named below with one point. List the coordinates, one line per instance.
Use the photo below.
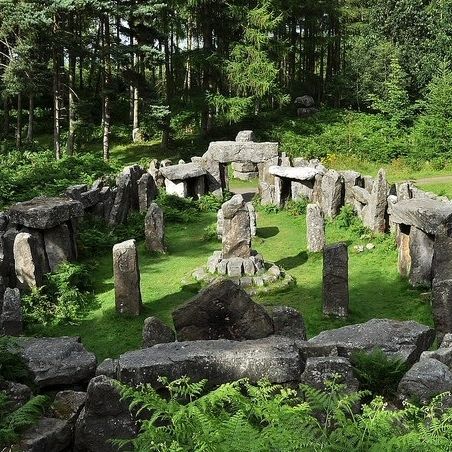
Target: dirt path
(434, 180)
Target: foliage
(65, 298)
(348, 219)
(97, 236)
(177, 210)
(212, 203)
(13, 423)
(266, 417)
(270, 208)
(12, 366)
(210, 233)
(25, 175)
(377, 372)
(298, 207)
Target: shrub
(210, 233)
(297, 208)
(377, 372)
(266, 417)
(210, 203)
(270, 208)
(66, 297)
(348, 219)
(12, 366)
(177, 210)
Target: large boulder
(288, 322)
(301, 173)
(425, 380)
(221, 311)
(241, 151)
(57, 361)
(104, 417)
(403, 339)
(183, 171)
(276, 358)
(59, 245)
(45, 213)
(67, 405)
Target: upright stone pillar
(442, 279)
(11, 323)
(154, 229)
(236, 228)
(315, 228)
(335, 280)
(147, 191)
(332, 193)
(127, 278)
(375, 216)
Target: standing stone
(332, 193)
(421, 254)
(375, 213)
(351, 179)
(28, 261)
(442, 279)
(236, 228)
(335, 280)
(154, 229)
(147, 191)
(58, 245)
(121, 205)
(127, 278)
(245, 136)
(315, 225)
(253, 218)
(156, 332)
(11, 323)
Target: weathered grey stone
(156, 332)
(276, 358)
(147, 192)
(221, 311)
(121, 204)
(11, 322)
(154, 229)
(18, 394)
(213, 261)
(127, 278)
(45, 213)
(403, 191)
(425, 214)
(425, 380)
(447, 341)
(288, 322)
(75, 191)
(236, 228)
(361, 195)
(108, 367)
(235, 267)
(442, 279)
(245, 135)
(267, 189)
(58, 244)
(55, 361)
(49, 435)
(322, 369)
(421, 257)
(248, 267)
(183, 172)
(176, 188)
(244, 167)
(351, 179)
(444, 355)
(90, 198)
(315, 228)
(302, 173)
(335, 280)
(105, 417)
(403, 248)
(246, 176)
(375, 213)
(305, 101)
(332, 193)
(29, 260)
(135, 172)
(405, 340)
(232, 151)
(67, 405)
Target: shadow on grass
(289, 263)
(266, 233)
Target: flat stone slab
(425, 214)
(406, 340)
(56, 361)
(301, 173)
(183, 171)
(45, 213)
(236, 151)
(219, 361)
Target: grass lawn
(376, 290)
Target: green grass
(376, 290)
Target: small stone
(258, 281)
(68, 404)
(235, 267)
(222, 267)
(156, 332)
(246, 281)
(275, 271)
(199, 274)
(213, 261)
(248, 267)
(370, 246)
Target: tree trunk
(107, 89)
(31, 107)
(5, 116)
(207, 115)
(135, 100)
(56, 95)
(19, 122)
(71, 106)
